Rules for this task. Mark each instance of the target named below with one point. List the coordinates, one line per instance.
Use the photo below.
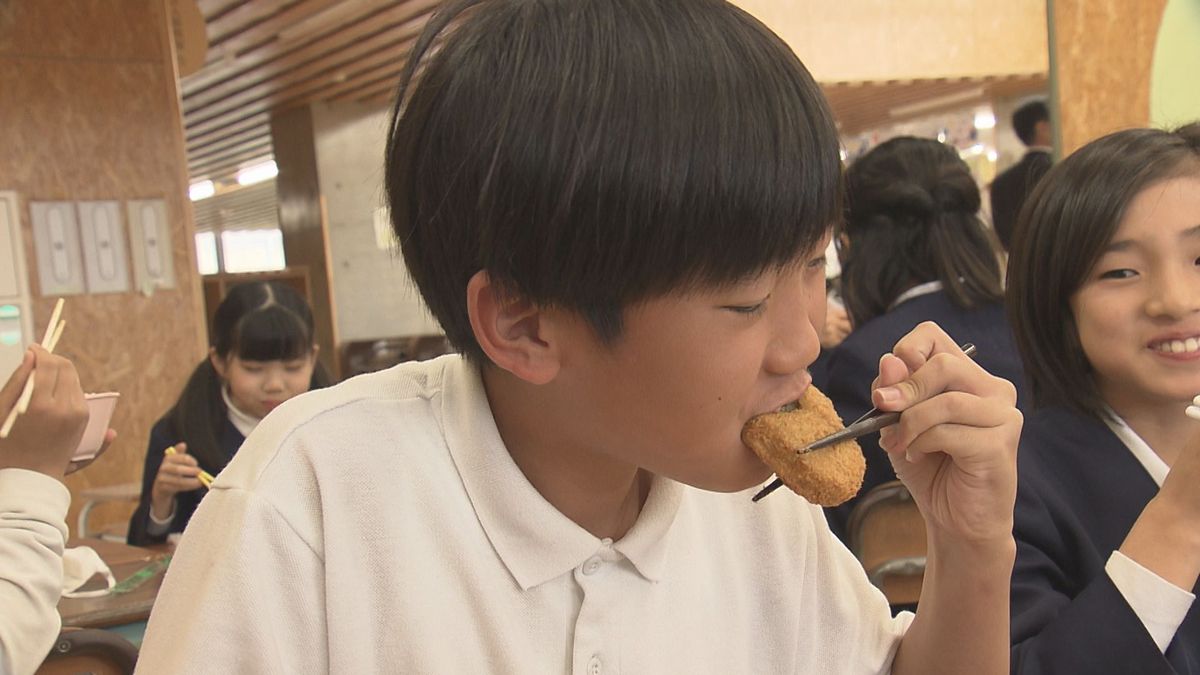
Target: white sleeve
(244, 594)
(156, 527)
(33, 532)
(1159, 604)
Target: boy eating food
(617, 209)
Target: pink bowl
(100, 412)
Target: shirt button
(594, 666)
(591, 567)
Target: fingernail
(889, 394)
(886, 438)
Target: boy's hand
(955, 446)
(44, 438)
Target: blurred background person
(1012, 187)
(912, 249)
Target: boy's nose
(794, 347)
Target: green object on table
(141, 576)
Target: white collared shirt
(381, 526)
(1160, 605)
(916, 292)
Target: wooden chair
(90, 650)
(887, 534)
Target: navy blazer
(1010, 190)
(1079, 492)
(846, 374)
(163, 436)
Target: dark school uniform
(161, 437)
(1079, 492)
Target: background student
(1104, 293)
(263, 353)
(1012, 187)
(33, 505)
(614, 208)
(912, 249)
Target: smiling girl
(262, 353)
(1104, 296)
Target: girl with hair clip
(1104, 296)
(912, 249)
(262, 354)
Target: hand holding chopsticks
(204, 477)
(49, 340)
(872, 421)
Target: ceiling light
(985, 119)
(201, 190)
(257, 173)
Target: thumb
(895, 389)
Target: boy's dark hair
(1061, 233)
(911, 218)
(1026, 117)
(589, 154)
(257, 321)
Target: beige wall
(1104, 50)
(89, 110)
(852, 40)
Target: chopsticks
(204, 477)
(50, 338)
(870, 422)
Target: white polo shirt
(381, 526)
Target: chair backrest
(887, 534)
(90, 650)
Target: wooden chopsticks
(49, 340)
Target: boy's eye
(747, 309)
(817, 263)
(1123, 273)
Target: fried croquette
(826, 477)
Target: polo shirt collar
(534, 540)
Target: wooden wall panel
(1104, 50)
(90, 110)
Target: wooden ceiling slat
(277, 56)
(304, 92)
(229, 91)
(229, 160)
(197, 141)
(234, 140)
(239, 19)
(268, 29)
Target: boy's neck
(598, 493)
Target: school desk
(117, 611)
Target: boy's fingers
(923, 343)
(951, 410)
(944, 372)
(16, 383)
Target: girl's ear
(218, 363)
(512, 330)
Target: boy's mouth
(789, 407)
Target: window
(238, 231)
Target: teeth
(1178, 346)
(794, 405)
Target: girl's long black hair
(257, 321)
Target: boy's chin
(752, 477)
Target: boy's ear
(512, 330)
